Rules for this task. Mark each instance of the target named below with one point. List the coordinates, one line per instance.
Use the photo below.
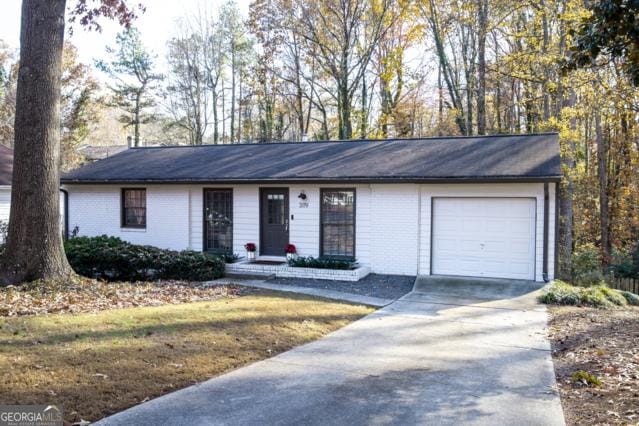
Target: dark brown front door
(274, 221)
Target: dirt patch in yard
(590, 344)
(96, 364)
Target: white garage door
(484, 237)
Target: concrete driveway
(451, 352)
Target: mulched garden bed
(604, 344)
(83, 295)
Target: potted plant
(291, 251)
(250, 251)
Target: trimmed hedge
(321, 263)
(116, 260)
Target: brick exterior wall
(393, 221)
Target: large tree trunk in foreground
(34, 245)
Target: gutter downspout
(556, 239)
(419, 227)
(546, 226)
(66, 213)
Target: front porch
(275, 266)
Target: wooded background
(354, 69)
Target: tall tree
(131, 67)
(238, 48)
(390, 67)
(189, 80)
(611, 30)
(285, 60)
(439, 28)
(214, 61)
(34, 244)
(344, 34)
(482, 32)
(79, 106)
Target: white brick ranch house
(465, 206)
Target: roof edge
(501, 135)
(492, 179)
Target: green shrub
(626, 263)
(586, 266)
(114, 259)
(585, 378)
(321, 263)
(612, 295)
(229, 257)
(190, 265)
(599, 296)
(631, 298)
(588, 279)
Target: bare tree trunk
(223, 114)
(233, 70)
(544, 50)
(216, 134)
(299, 92)
(440, 106)
(363, 127)
(34, 245)
(136, 124)
(344, 109)
(453, 90)
(602, 169)
(239, 112)
(566, 190)
(481, 66)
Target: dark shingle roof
(94, 153)
(521, 157)
(6, 166)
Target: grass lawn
(96, 364)
(596, 357)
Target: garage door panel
(472, 225)
(519, 226)
(451, 210)
(490, 237)
(449, 224)
(465, 265)
(468, 247)
(495, 266)
(520, 268)
(494, 247)
(521, 248)
(491, 209)
(493, 225)
(447, 245)
(521, 210)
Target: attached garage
(484, 237)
